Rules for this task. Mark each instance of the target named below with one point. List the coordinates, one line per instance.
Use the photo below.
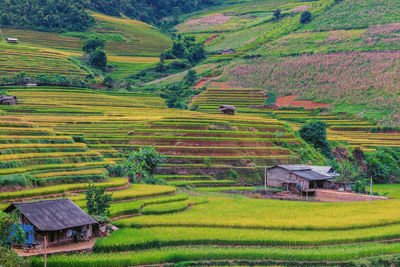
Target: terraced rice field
(141, 39)
(138, 47)
(228, 150)
(204, 151)
(220, 93)
(351, 131)
(35, 61)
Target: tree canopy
(315, 133)
(45, 15)
(71, 15)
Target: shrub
(305, 17)
(98, 59)
(24, 180)
(314, 133)
(93, 44)
(277, 14)
(97, 202)
(142, 164)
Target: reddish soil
(308, 104)
(211, 39)
(292, 102)
(222, 85)
(74, 247)
(201, 83)
(285, 100)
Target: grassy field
(191, 214)
(350, 14)
(347, 54)
(131, 46)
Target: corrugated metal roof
(295, 167)
(324, 170)
(311, 175)
(53, 215)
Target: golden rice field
(201, 149)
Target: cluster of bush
(185, 53)
(71, 15)
(150, 11)
(46, 15)
(43, 79)
(381, 165)
(177, 95)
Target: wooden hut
(227, 51)
(227, 109)
(61, 221)
(12, 40)
(8, 100)
(300, 178)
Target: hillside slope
(347, 56)
(131, 46)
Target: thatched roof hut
(8, 100)
(227, 109)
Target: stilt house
(61, 221)
(8, 100)
(301, 178)
(227, 109)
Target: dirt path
(74, 247)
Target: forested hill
(70, 15)
(150, 11)
(46, 15)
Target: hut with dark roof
(61, 221)
(8, 100)
(301, 178)
(227, 109)
(12, 40)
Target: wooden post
(265, 178)
(45, 252)
(370, 192)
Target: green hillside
(131, 46)
(281, 63)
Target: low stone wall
(345, 196)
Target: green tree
(11, 232)
(43, 79)
(141, 165)
(305, 17)
(98, 202)
(314, 133)
(92, 44)
(380, 166)
(98, 59)
(19, 78)
(190, 78)
(277, 14)
(108, 81)
(348, 171)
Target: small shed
(227, 109)
(12, 40)
(61, 221)
(301, 178)
(228, 51)
(8, 100)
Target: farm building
(301, 178)
(61, 221)
(12, 40)
(8, 100)
(228, 51)
(227, 109)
